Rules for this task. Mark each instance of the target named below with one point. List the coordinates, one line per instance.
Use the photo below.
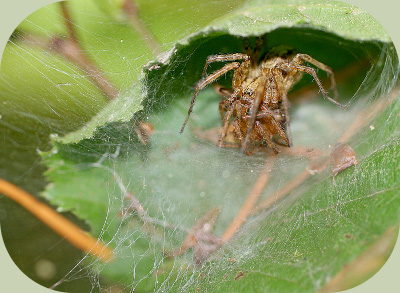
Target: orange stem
(289, 187)
(55, 221)
(251, 200)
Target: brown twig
(71, 49)
(365, 116)
(132, 13)
(315, 166)
(301, 151)
(136, 206)
(199, 238)
(55, 221)
(289, 187)
(251, 200)
(68, 22)
(342, 155)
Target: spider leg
(223, 58)
(312, 72)
(204, 82)
(222, 110)
(268, 114)
(261, 130)
(277, 126)
(254, 110)
(322, 66)
(240, 73)
(237, 130)
(239, 134)
(285, 102)
(238, 125)
(227, 117)
(281, 133)
(223, 91)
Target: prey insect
(256, 108)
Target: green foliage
(300, 243)
(297, 245)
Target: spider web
(179, 178)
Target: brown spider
(257, 107)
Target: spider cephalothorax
(257, 107)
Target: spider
(256, 109)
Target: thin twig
(55, 221)
(289, 187)
(362, 119)
(199, 237)
(72, 49)
(68, 22)
(132, 13)
(301, 151)
(292, 185)
(365, 116)
(251, 200)
(135, 204)
(315, 166)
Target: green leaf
(119, 110)
(41, 93)
(305, 240)
(258, 17)
(301, 242)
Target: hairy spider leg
(222, 105)
(237, 130)
(239, 123)
(261, 130)
(325, 68)
(223, 91)
(241, 71)
(285, 101)
(206, 81)
(254, 109)
(227, 117)
(267, 113)
(312, 72)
